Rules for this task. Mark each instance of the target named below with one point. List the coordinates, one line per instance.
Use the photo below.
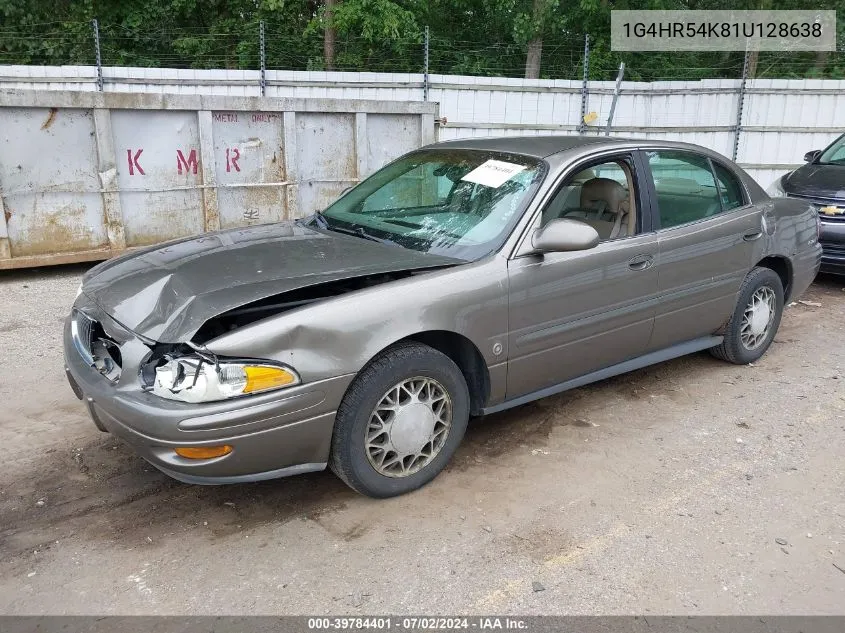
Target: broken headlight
(196, 379)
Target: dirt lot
(689, 487)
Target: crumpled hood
(167, 292)
(820, 181)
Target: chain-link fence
(764, 109)
(238, 45)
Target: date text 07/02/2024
(409, 623)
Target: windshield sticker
(493, 173)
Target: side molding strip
(675, 351)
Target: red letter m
(188, 165)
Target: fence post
(425, 66)
(96, 29)
(582, 127)
(741, 103)
(616, 91)
(261, 52)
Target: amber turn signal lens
(203, 452)
(263, 377)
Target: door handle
(640, 262)
(750, 237)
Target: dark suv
(822, 182)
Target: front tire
(400, 421)
(755, 320)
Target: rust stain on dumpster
(256, 199)
(50, 118)
(59, 231)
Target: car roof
(543, 146)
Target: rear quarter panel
(792, 232)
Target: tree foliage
(480, 37)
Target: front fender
(340, 335)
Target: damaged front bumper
(272, 435)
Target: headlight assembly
(195, 379)
(775, 189)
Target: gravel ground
(690, 487)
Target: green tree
(531, 38)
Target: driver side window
(599, 196)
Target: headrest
(603, 192)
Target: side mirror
(564, 235)
(811, 157)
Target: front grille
(836, 250)
(81, 327)
(96, 348)
(822, 202)
(832, 218)
(819, 203)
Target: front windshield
(458, 203)
(835, 154)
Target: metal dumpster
(84, 176)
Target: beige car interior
(603, 203)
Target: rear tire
(400, 421)
(755, 320)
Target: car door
(709, 236)
(572, 313)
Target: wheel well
(783, 268)
(466, 356)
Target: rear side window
(685, 186)
(730, 189)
